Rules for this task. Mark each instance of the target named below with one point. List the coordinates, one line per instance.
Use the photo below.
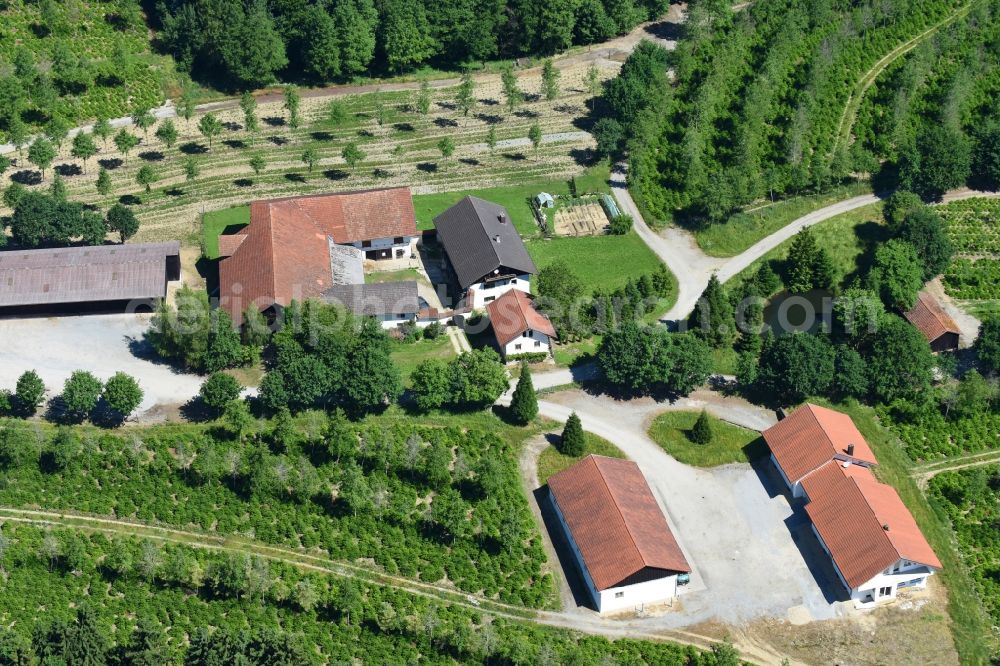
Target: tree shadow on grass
(489, 119)
(243, 182)
(585, 157)
(26, 177)
(321, 136)
(445, 122)
(174, 192)
(193, 148)
(68, 170)
(515, 157)
(278, 140)
(336, 174)
(427, 167)
(381, 173)
(129, 200)
(295, 177)
(274, 121)
(404, 127)
(526, 113)
(471, 161)
(110, 163)
(151, 156)
(235, 144)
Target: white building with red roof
(872, 539)
(518, 327)
(628, 557)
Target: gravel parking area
(103, 344)
(753, 554)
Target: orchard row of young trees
(173, 605)
(243, 45)
(758, 106)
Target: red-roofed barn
(618, 534)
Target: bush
(620, 225)
(220, 389)
(433, 330)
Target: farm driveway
(102, 344)
(753, 555)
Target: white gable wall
(618, 599)
(530, 342)
(483, 293)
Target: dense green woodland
(245, 44)
(758, 104)
(132, 602)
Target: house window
(619, 595)
(398, 240)
(537, 343)
(884, 591)
(526, 334)
(517, 346)
(401, 316)
(489, 298)
(366, 243)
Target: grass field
(408, 355)
(846, 237)
(974, 638)
(514, 198)
(570, 353)
(600, 261)
(218, 222)
(746, 228)
(729, 442)
(551, 461)
(403, 275)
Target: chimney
(496, 239)
(850, 449)
(502, 217)
(885, 527)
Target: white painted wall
(900, 574)
(639, 595)
(387, 244)
(532, 342)
(486, 293)
(395, 319)
(633, 597)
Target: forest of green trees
(759, 103)
(239, 44)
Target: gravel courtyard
(103, 344)
(753, 555)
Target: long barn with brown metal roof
(618, 534)
(100, 277)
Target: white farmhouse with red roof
(875, 544)
(518, 327)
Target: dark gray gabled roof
(376, 299)
(85, 274)
(480, 237)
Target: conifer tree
(572, 441)
(701, 433)
(524, 403)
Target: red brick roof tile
(863, 523)
(812, 435)
(284, 254)
(930, 319)
(615, 520)
(514, 313)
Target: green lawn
(846, 237)
(970, 625)
(551, 461)
(566, 355)
(218, 222)
(404, 275)
(746, 228)
(729, 442)
(407, 356)
(514, 198)
(600, 261)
